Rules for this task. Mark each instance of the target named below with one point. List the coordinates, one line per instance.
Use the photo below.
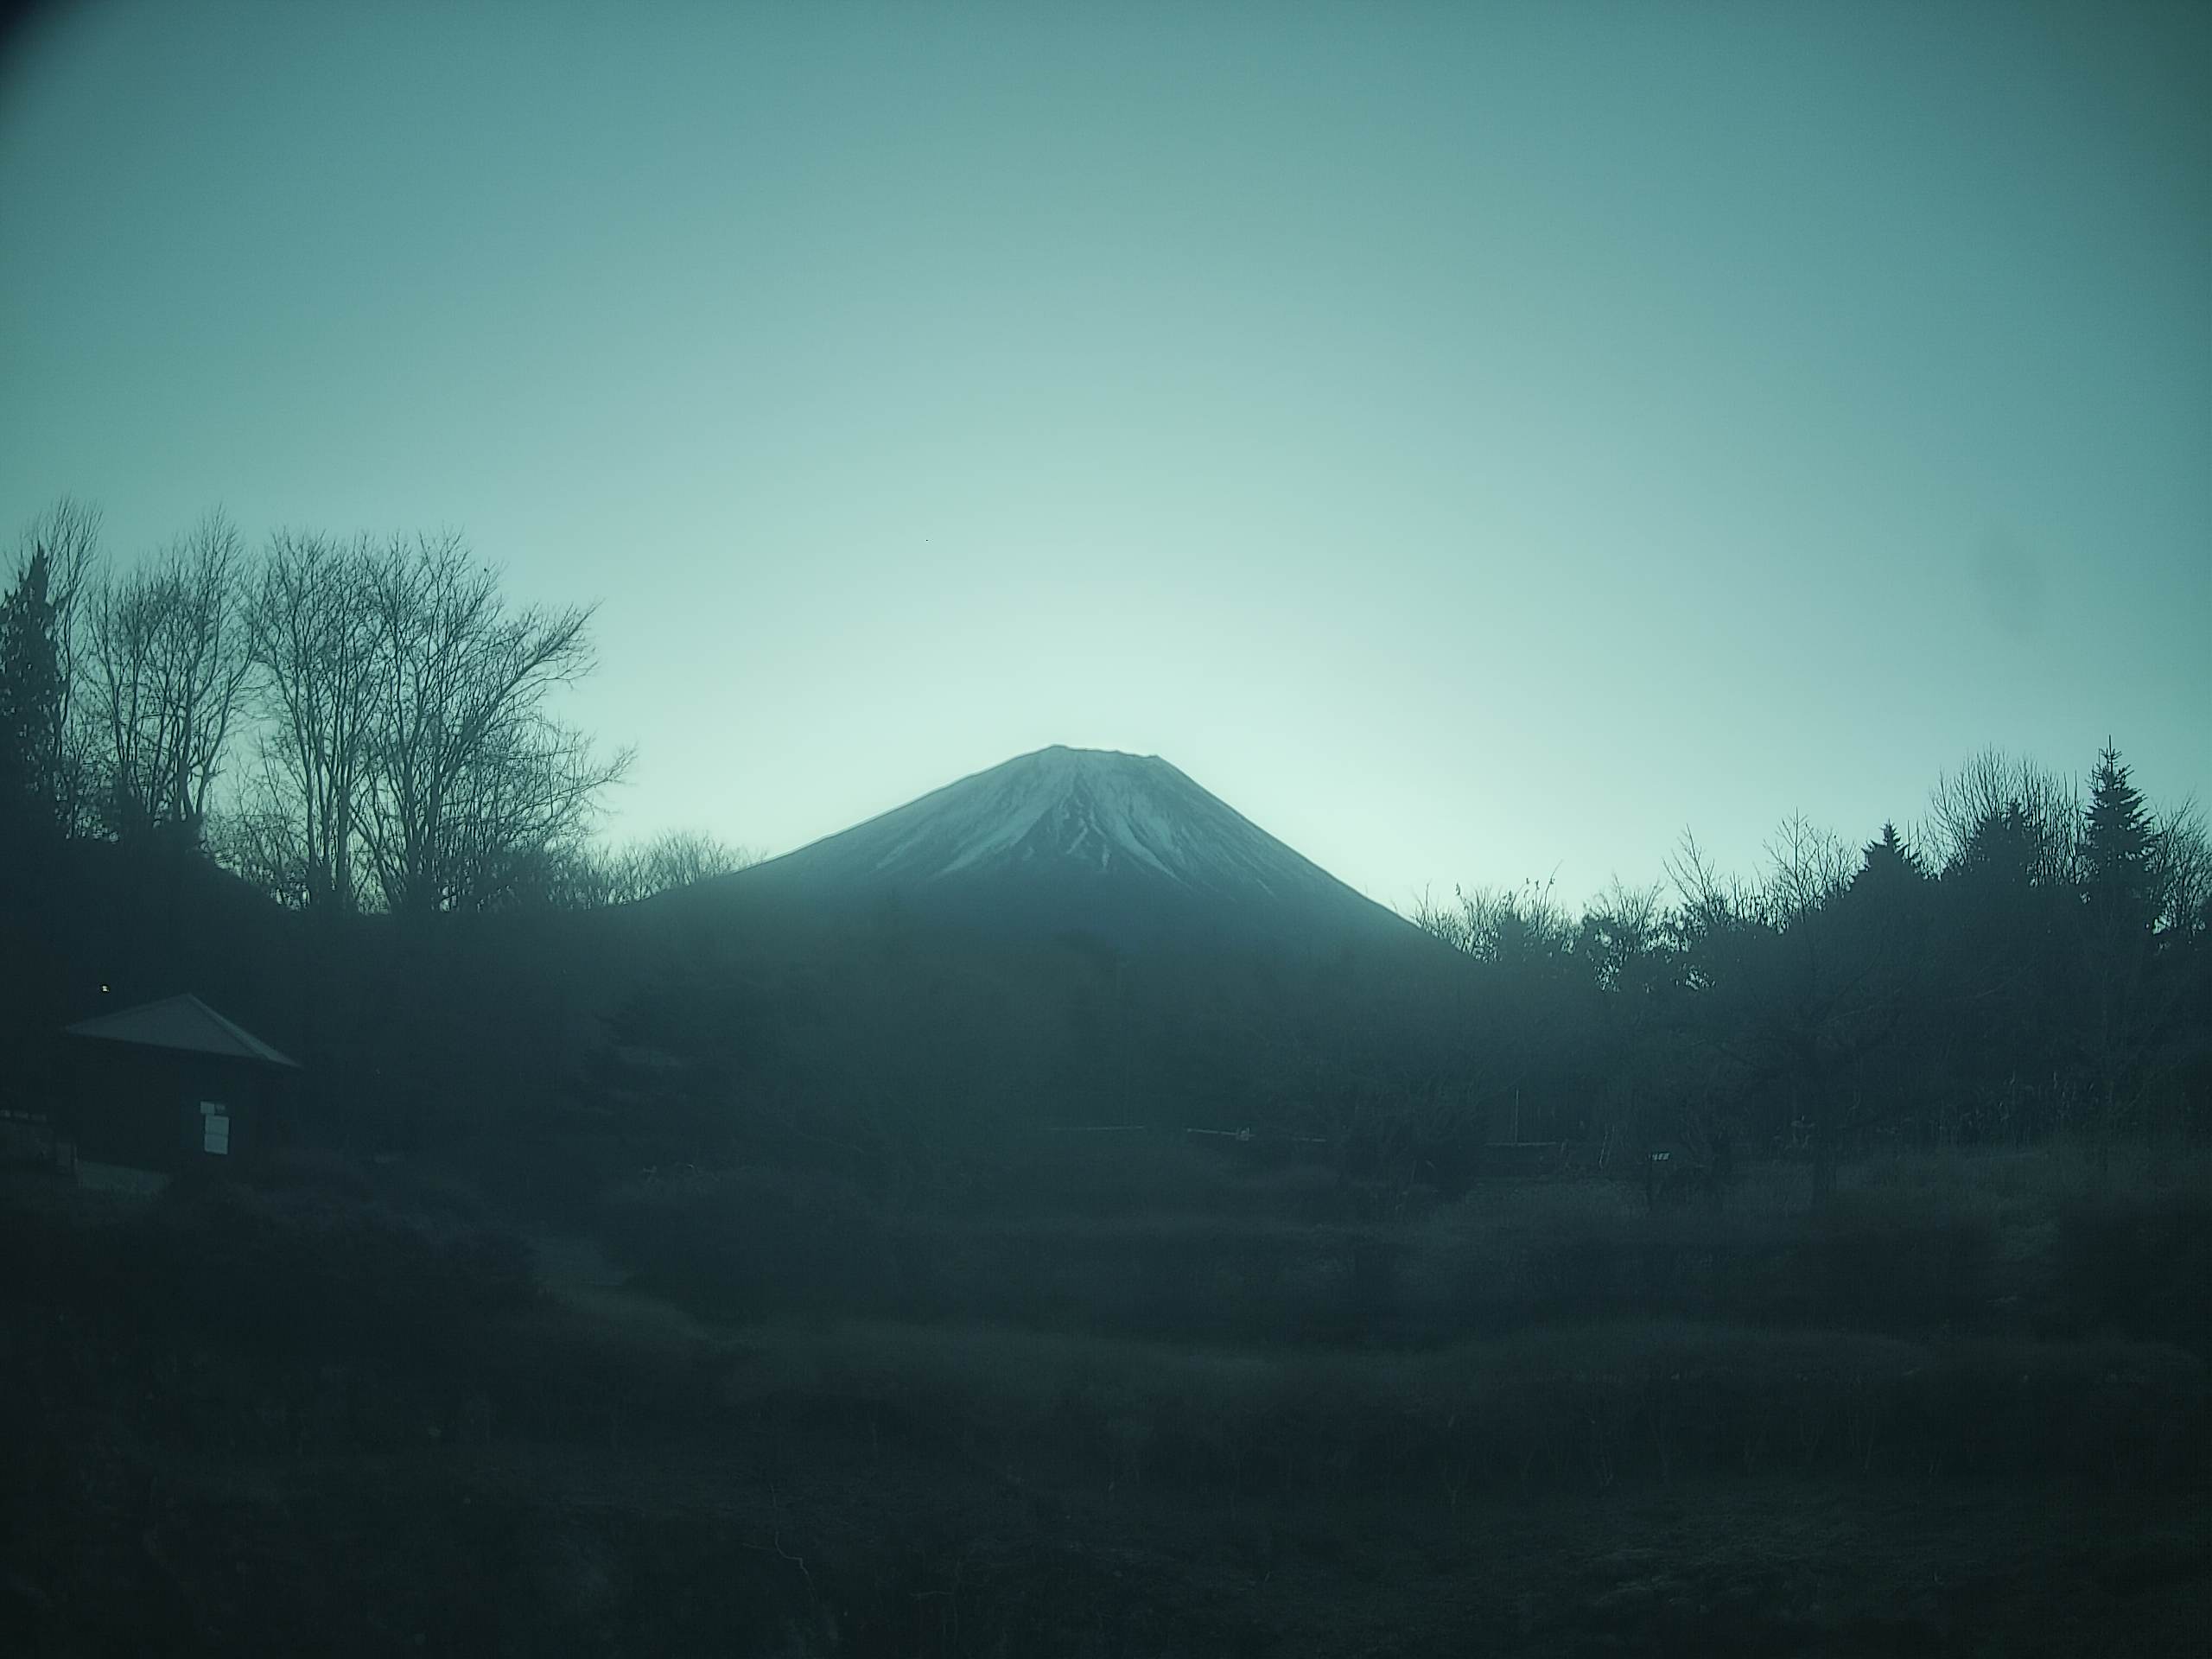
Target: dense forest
(2032, 960)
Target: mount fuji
(1122, 846)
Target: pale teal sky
(1472, 440)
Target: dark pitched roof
(184, 1023)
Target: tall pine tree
(1887, 865)
(2119, 847)
(31, 692)
(2119, 883)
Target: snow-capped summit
(1122, 845)
(1096, 809)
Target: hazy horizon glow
(1473, 443)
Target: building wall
(141, 1109)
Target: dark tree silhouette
(2045, 807)
(473, 784)
(168, 673)
(313, 641)
(2120, 902)
(2118, 853)
(54, 571)
(1888, 867)
(33, 690)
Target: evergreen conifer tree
(2119, 851)
(1887, 864)
(2120, 881)
(2001, 854)
(30, 696)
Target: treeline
(2032, 958)
(348, 723)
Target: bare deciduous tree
(673, 859)
(1806, 866)
(2182, 867)
(1448, 923)
(1982, 788)
(255, 837)
(1500, 924)
(471, 780)
(587, 878)
(167, 670)
(312, 638)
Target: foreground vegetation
(1963, 1409)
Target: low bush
(750, 1244)
(752, 1241)
(1860, 1263)
(308, 1264)
(1583, 1407)
(1162, 1276)
(1503, 1260)
(2136, 1264)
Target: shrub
(1575, 1407)
(307, 1265)
(1868, 1265)
(754, 1240)
(1862, 1264)
(2138, 1263)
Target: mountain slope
(1079, 840)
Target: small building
(168, 1086)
